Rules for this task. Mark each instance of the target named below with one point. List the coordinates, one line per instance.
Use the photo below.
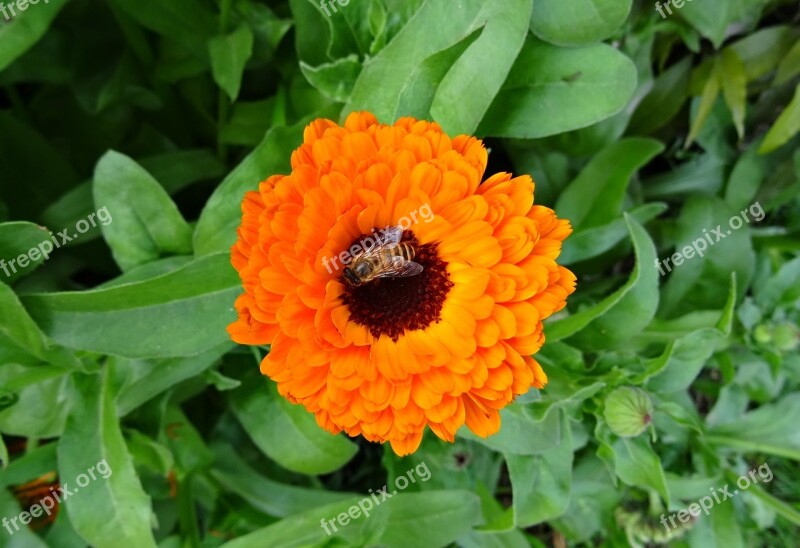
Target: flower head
(443, 346)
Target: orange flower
(448, 346)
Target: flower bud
(786, 337)
(762, 333)
(628, 411)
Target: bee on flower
(443, 335)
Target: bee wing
(390, 237)
(398, 267)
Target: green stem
(747, 446)
(187, 513)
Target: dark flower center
(391, 306)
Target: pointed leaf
(109, 507)
(578, 22)
(143, 221)
(552, 90)
(285, 432)
(146, 319)
(542, 483)
(229, 54)
(785, 127)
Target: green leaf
(552, 90)
(127, 315)
(271, 497)
(30, 386)
(420, 90)
(789, 66)
(496, 515)
(522, 433)
(785, 127)
(562, 391)
(734, 87)
(143, 222)
(335, 79)
(762, 50)
(622, 314)
(492, 56)
(710, 20)
(27, 28)
(220, 381)
(178, 169)
(633, 461)
(592, 503)
(578, 22)
(436, 518)
(229, 54)
(305, 529)
(287, 433)
(597, 195)
(313, 34)
(691, 488)
(377, 19)
(18, 332)
(746, 178)
(147, 452)
(109, 506)
(725, 523)
(770, 429)
(708, 97)
(778, 506)
(542, 483)
(69, 209)
(668, 94)
(386, 76)
(781, 288)
(32, 464)
(682, 360)
(216, 228)
(147, 271)
(708, 249)
(597, 240)
(18, 239)
(703, 174)
(149, 378)
(249, 122)
(180, 436)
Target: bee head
(350, 277)
(362, 269)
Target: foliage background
(642, 130)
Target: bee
(389, 258)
